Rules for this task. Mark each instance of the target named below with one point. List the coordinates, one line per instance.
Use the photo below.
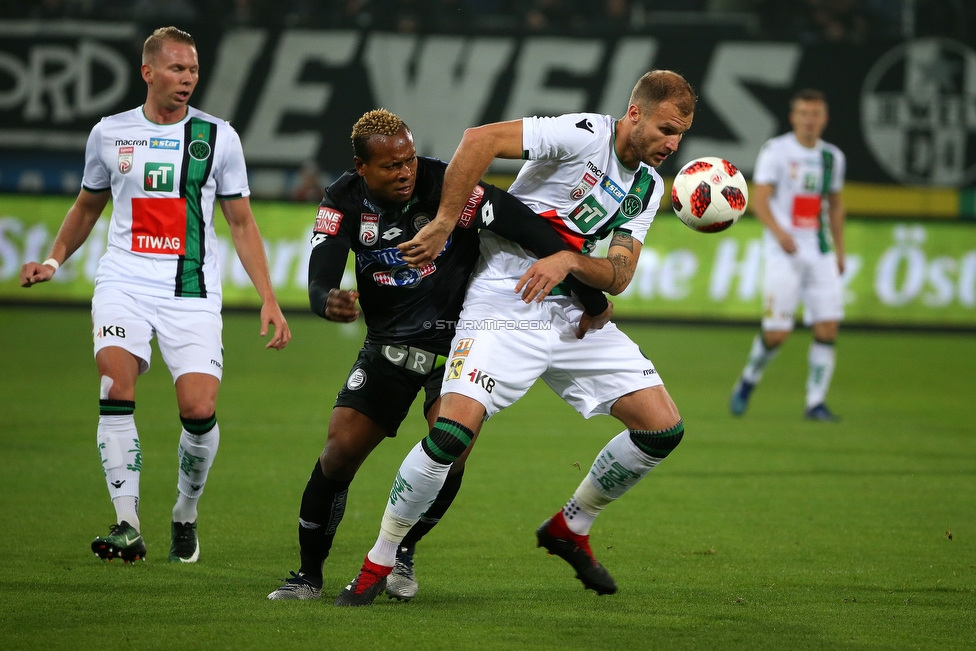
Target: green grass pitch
(766, 532)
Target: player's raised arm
(479, 147)
(75, 229)
(250, 249)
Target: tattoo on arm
(622, 273)
(623, 239)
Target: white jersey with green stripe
(164, 180)
(801, 177)
(573, 178)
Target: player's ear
(147, 73)
(360, 165)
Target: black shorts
(384, 391)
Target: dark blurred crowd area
(807, 21)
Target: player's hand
(271, 315)
(35, 272)
(341, 306)
(543, 275)
(426, 245)
(588, 322)
(840, 262)
(786, 241)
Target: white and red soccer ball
(709, 194)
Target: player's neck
(808, 141)
(160, 115)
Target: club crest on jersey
(583, 187)
(369, 228)
(126, 155)
(403, 276)
(631, 206)
(420, 220)
(199, 150)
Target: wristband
(51, 262)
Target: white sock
(196, 454)
(118, 447)
(759, 359)
(417, 483)
(822, 359)
(617, 469)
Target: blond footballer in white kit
(796, 195)
(165, 164)
(592, 176)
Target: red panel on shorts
(806, 211)
(159, 225)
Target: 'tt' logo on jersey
(159, 177)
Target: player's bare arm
(761, 193)
(75, 229)
(250, 249)
(479, 147)
(613, 273)
(838, 215)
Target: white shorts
(808, 276)
(503, 346)
(186, 329)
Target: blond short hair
(378, 122)
(154, 44)
(659, 86)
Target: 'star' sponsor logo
(110, 331)
(122, 142)
(585, 124)
(613, 189)
(482, 379)
(164, 143)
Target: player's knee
(447, 441)
(660, 443)
(199, 426)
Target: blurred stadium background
(293, 75)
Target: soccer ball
(709, 194)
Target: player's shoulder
(833, 149)
(128, 118)
(206, 117)
(345, 193)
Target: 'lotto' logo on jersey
(159, 177)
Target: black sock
(436, 511)
(323, 505)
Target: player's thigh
(823, 295)
(592, 373)
(188, 331)
(352, 437)
(499, 350)
(122, 320)
(781, 290)
(379, 390)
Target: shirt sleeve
(767, 167)
(97, 177)
(556, 138)
(327, 261)
(840, 171)
(231, 175)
